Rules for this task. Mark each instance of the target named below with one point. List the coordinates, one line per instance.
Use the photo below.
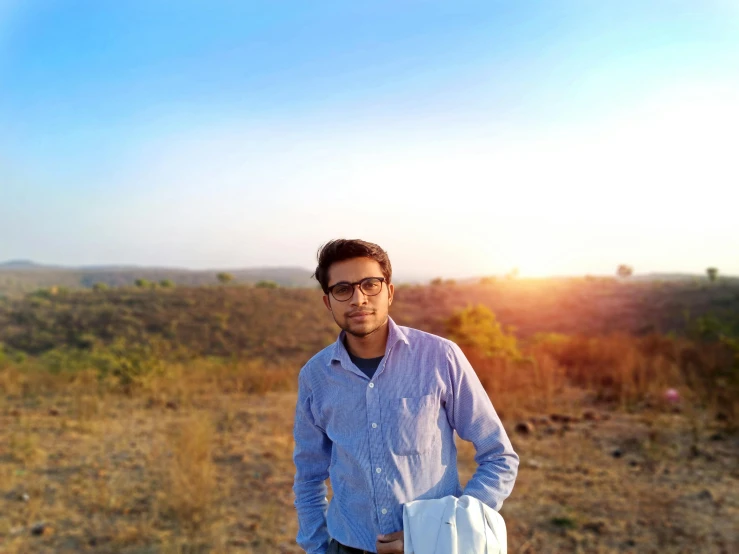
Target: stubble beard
(360, 335)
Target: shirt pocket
(415, 425)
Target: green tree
(624, 271)
(225, 278)
(477, 327)
(266, 285)
(166, 284)
(99, 287)
(142, 283)
(712, 274)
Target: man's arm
(471, 413)
(312, 457)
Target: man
(376, 413)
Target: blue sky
(466, 138)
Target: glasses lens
(371, 287)
(342, 292)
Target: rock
(717, 437)
(590, 415)
(39, 528)
(721, 416)
(617, 453)
(24, 497)
(596, 527)
(171, 405)
(524, 428)
(705, 494)
(633, 463)
(53, 412)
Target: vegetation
(224, 278)
(624, 271)
(19, 279)
(712, 273)
(145, 419)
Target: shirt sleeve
(312, 457)
(471, 413)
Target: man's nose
(358, 297)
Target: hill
(20, 276)
(227, 321)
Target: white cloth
(453, 525)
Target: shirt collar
(395, 334)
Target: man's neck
(371, 346)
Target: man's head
(363, 307)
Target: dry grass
(191, 460)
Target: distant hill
(22, 276)
(19, 264)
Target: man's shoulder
(320, 359)
(423, 340)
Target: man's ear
(327, 302)
(391, 293)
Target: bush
(477, 327)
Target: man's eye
(343, 289)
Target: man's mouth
(359, 315)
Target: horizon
(398, 277)
(465, 140)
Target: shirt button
(374, 425)
(384, 511)
(379, 470)
(372, 385)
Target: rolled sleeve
(312, 457)
(473, 416)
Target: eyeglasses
(370, 286)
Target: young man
(376, 413)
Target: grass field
(106, 449)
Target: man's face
(361, 315)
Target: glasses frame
(354, 284)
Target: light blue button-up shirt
(390, 440)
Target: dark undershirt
(367, 365)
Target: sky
(466, 138)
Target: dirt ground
(82, 472)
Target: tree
(266, 285)
(477, 327)
(712, 274)
(99, 287)
(512, 274)
(142, 283)
(624, 271)
(225, 278)
(437, 281)
(166, 284)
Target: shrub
(477, 327)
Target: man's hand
(390, 544)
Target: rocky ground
(84, 472)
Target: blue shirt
(390, 439)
